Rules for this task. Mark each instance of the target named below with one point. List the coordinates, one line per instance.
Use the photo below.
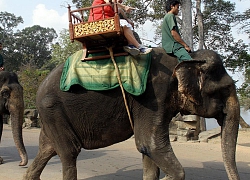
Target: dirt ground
(201, 161)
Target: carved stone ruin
(30, 118)
(185, 128)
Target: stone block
(182, 139)
(186, 124)
(190, 118)
(30, 118)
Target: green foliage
(8, 23)
(218, 18)
(33, 44)
(244, 20)
(237, 57)
(244, 90)
(82, 3)
(27, 50)
(30, 78)
(62, 50)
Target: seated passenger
(124, 20)
(96, 13)
(134, 48)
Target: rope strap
(120, 83)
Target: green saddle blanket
(101, 74)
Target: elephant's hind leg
(45, 153)
(69, 168)
(68, 156)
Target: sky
(54, 14)
(46, 13)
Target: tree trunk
(200, 25)
(186, 28)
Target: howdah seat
(96, 35)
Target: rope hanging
(120, 83)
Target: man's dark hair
(170, 3)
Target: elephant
(81, 118)
(12, 103)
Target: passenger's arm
(125, 17)
(126, 8)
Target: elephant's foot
(1, 160)
(167, 178)
(27, 177)
(23, 162)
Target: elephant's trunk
(18, 139)
(16, 109)
(229, 134)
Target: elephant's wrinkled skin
(88, 119)
(11, 103)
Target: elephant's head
(205, 89)
(11, 102)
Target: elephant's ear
(190, 79)
(5, 92)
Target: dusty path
(201, 161)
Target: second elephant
(11, 103)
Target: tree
(62, 49)
(187, 31)
(218, 18)
(82, 3)
(244, 20)
(8, 23)
(33, 45)
(243, 62)
(200, 25)
(244, 90)
(30, 78)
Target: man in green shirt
(171, 38)
(1, 58)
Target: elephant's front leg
(158, 153)
(150, 169)
(45, 153)
(166, 161)
(169, 164)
